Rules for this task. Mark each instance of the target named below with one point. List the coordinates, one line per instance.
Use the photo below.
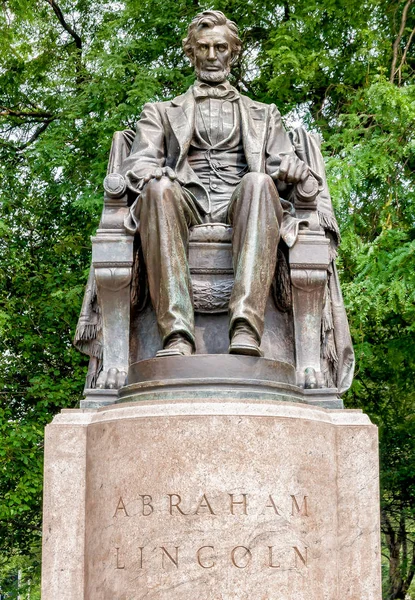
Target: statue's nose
(212, 53)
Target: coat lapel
(181, 116)
(254, 123)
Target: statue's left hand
(292, 169)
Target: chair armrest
(115, 185)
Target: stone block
(211, 500)
(65, 482)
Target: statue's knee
(157, 187)
(161, 191)
(162, 197)
(257, 179)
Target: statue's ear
(190, 55)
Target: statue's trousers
(166, 213)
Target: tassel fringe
(91, 348)
(329, 222)
(85, 332)
(329, 357)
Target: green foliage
(19, 576)
(67, 85)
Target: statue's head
(212, 45)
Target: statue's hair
(212, 18)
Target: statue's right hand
(137, 183)
(168, 171)
(158, 174)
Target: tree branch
(11, 112)
(65, 24)
(398, 39)
(388, 529)
(405, 52)
(411, 571)
(36, 134)
(286, 12)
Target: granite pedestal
(210, 500)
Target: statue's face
(212, 54)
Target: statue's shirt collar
(222, 91)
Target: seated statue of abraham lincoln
(211, 155)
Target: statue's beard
(212, 76)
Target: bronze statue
(210, 155)
(213, 160)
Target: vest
(216, 152)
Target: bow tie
(221, 92)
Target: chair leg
(112, 259)
(309, 260)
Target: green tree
(74, 71)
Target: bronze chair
(299, 327)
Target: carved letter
(141, 548)
(270, 559)
(204, 503)
(176, 505)
(243, 503)
(246, 553)
(199, 560)
(121, 506)
(271, 504)
(118, 564)
(147, 506)
(295, 507)
(175, 561)
(298, 555)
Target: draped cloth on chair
(337, 354)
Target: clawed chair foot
(112, 379)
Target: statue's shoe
(177, 345)
(244, 341)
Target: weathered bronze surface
(217, 235)
(220, 377)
